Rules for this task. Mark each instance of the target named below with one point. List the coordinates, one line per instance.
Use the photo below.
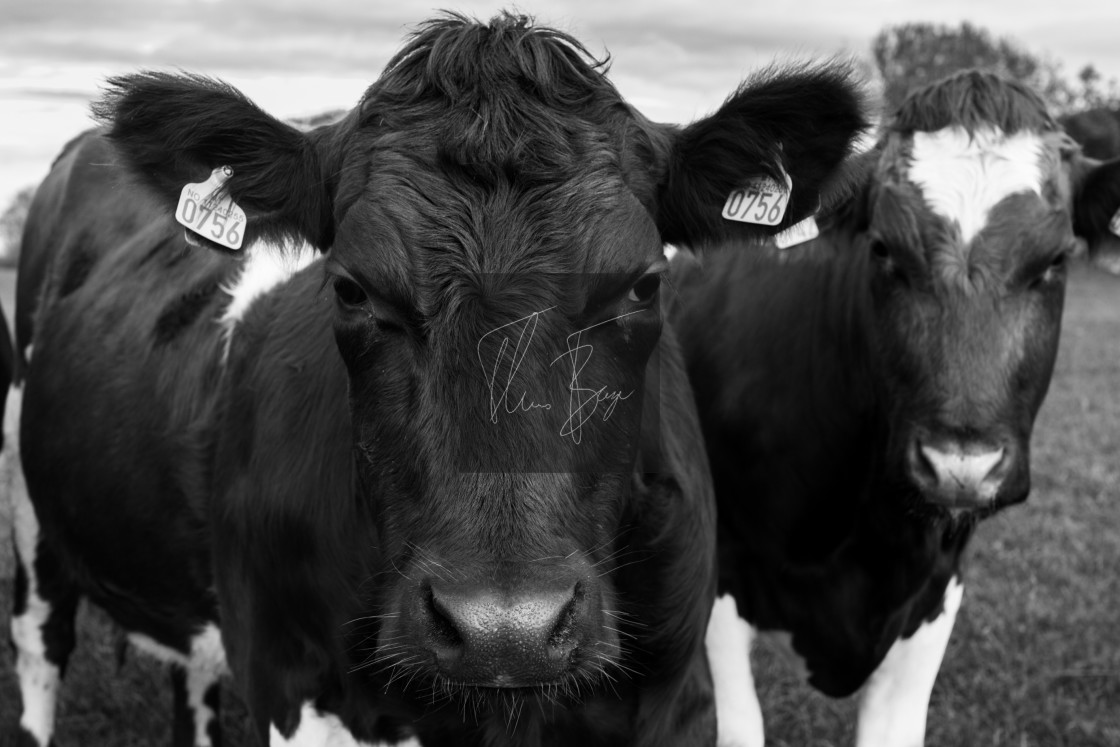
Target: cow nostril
(960, 467)
(505, 637)
(958, 472)
(563, 632)
(920, 463)
(441, 625)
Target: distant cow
(866, 405)
(443, 480)
(1098, 133)
(1096, 130)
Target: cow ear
(802, 121)
(172, 130)
(1096, 201)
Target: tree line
(913, 54)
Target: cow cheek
(1043, 314)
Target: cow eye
(646, 288)
(879, 249)
(348, 292)
(1053, 270)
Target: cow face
(971, 223)
(494, 214)
(500, 444)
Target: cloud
(674, 60)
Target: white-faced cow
(446, 481)
(864, 406)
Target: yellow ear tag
(762, 201)
(798, 233)
(209, 211)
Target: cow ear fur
(806, 119)
(172, 130)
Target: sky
(674, 60)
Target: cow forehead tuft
(973, 100)
(962, 175)
(498, 96)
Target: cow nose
(494, 638)
(957, 473)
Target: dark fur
(95, 360)
(1097, 199)
(972, 99)
(701, 176)
(345, 461)
(810, 374)
(1096, 130)
(175, 129)
(179, 315)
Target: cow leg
(45, 602)
(728, 643)
(182, 725)
(892, 709)
(197, 707)
(205, 668)
(316, 729)
(195, 684)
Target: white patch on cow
(324, 730)
(207, 665)
(264, 267)
(957, 469)
(13, 407)
(963, 177)
(892, 709)
(728, 644)
(670, 251)
(39, 679)
(159, 652)
(204, 665)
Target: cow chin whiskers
(952, 521)
(598, 671)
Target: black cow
(865, 404)
(447, 475)
(1098, 132)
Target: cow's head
(493, 215)
(972, 209)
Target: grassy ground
(1035, 657)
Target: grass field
(1035, 657)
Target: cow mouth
(594, 671)
(515, 700)
(966, 507)
(588, 668)
(953, 515)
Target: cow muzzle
(490, 635)
(958, 473)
